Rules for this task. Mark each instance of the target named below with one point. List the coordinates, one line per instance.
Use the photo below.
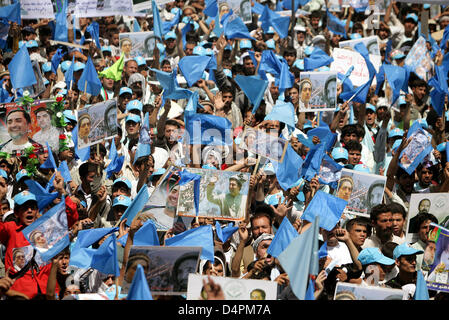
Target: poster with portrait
(42, 129)
(167, 269)
(134, 44)
(22, 255)
(97, 123)
(436, 204)
(419, 60)
(162, 204)
(318, 91)
(263, 144)
(38, 88)
(242, 8)
(419, 147)
(438, 274)
(50, 233)
(351, 291)
(103, 8)
(233, 288)
(371, 43)
(333, 6)
(223, 195)
(362, 191)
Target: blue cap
(65, 65)
(396, 132)
(396, 144)
(121, 200)
(3, 174)
(324, 68)
(208, 52)
(354, 36)
(369, 106)
(307, 125)
(46, 81)
(412, 16)
(228, 47)
(21, 43)
(270, 30)
(426, 6)
(79, 66)
(271, 44)
(32, 44)
(405, 250)
(123, 180)
(227, 72)
(23, 197)
(269, 169)
(134, 105)
(397, 54)
(423, 123)
(208, 166)
(125, 90)
(62, 92)
(308, 50)
(170, 35)
(373, 255)
(441, 147)
(175, 10)
(69, 116)
(133, 117)
(140, 61)
(361, 168)
(199, 51)
(46, 67)
(339, 153)
(106, 48)
(158, 172)
(401, 100)
(21, 174)
(245, 44)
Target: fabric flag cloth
(12, 13)
(322, 253)
(282, 238)
(89, 81)
(253, 87)
(440, 89)
(300, 259)
(170, 85)
(21, 70)
(187, 177)
(421, 291)
(326, 136)
(288, 172)
(136, 205)
(297, 3)
(139, 289)
(396, 77)
(145, 236)
(286, 79)
(157, 22)
(4, 32)
(4, 94)
(283, 112)
(61, 30)
(225, 233)
(335, 25)
(53, 225)
(445, 38)
(116, 163)
(279, 23)
(359, 94)
(114, 72)
(43, 197)
(88, 237)
(56, 60)
(318, 58)
(103, 259)
(235, 28)
(310, 294)
(197, 237)
(84, 153)
(380, 79)
(211, 8)
(345, 81)
(312, 162)
(330, 172)
(193, 67)
(50, 163)
(208, 129)
(68, 76)
(168, 25)
(94, 31)
(269, 63)
(328, 207)
(136, 26)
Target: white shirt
(340, 253)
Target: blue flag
(197, 237)
(234, 27)
(254, 88)
(284, 235)
(335, 25)
(286, 79)
(12, 13)
(68, 75)
(208, 129)
(136, 25)
(168, 25)
(396, 76)
(50, 163)
(317, 59)
(56, 60)
(297, 3)
(193, 67)
(187, 177)
(225, 233)
(43, 197)
(440, 89)
(288, 172)
(84, 153)
(328, 207)
(145, 236)
(54, 229)
(310, 294)
(211, 9)
(380, 79)
(283, 112)
(300, 259)
(4, 94)
(279, 23)
(326, 136)
(312, 162)
(88, 237)
(116, 163)
(170, 85)
(61, 30)
(330, 172)
(136, 205)
(20, 70)
(94, 31)
(157, 22)
(322, 253)
(421, 291)
(445, 38)
(139, 289)
(270, 63)
(89, 81)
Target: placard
(318, 91)
(419, 60)
(134, 44)
(36, 9)
(350, 291)
(371, 43)
(263, 144)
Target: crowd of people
(368, 249)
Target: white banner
(102, 8)
(36, 9)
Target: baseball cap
(227, 72)
(106, 48)
(369, 106)
(208, 52)
(412, 16)
(269, 169)
(262, 237)
(405, 250)
(132, 117)
(65, 65)
(21, 174)
(441, 147)
(140, 61)
(299, 64)
(69, 116)
(361, 168)
(134, 105)
(125, 90)
(373, 255)
(123, 180)
(208, 166)
(396, 132)
(308, 50)
(354, 36)
(318, 38)
(199, 51)
(397, 54)
(170, 35)
(23, 197)
(46, 67)
(423, 123)
(78, 66)
(29, 29)
(339, 153)
(121, 200)
(245, 44)
(158, 172)
(31, 44)
(270, 30)
(401, 100)
(270, 44)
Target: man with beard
(423, 222)
(249, 69)
(419, 99)
(48, 132)
(382, 221)
(226, 108)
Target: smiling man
(18, 124)
(230, 203)
(47, 133)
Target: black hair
(378, 210)
(353, 145)
(263, 210)
(388, 248)
(348, 130)
(424, 216)
(289, 51)
(315, 14)
(357, 220)
(397, 208)
(87, 167)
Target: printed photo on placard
(97, 123)
(263, 144)
(438, 274)
(420, 140)
(350, 291)
(371, 43)
(134, 44)
(436, 204)
(242, 8)
(166, 268)
(318, 91)
(362, 190)
(22, 255)
(223, 195)
(42, 128)
(233, 288)
(419, 60)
